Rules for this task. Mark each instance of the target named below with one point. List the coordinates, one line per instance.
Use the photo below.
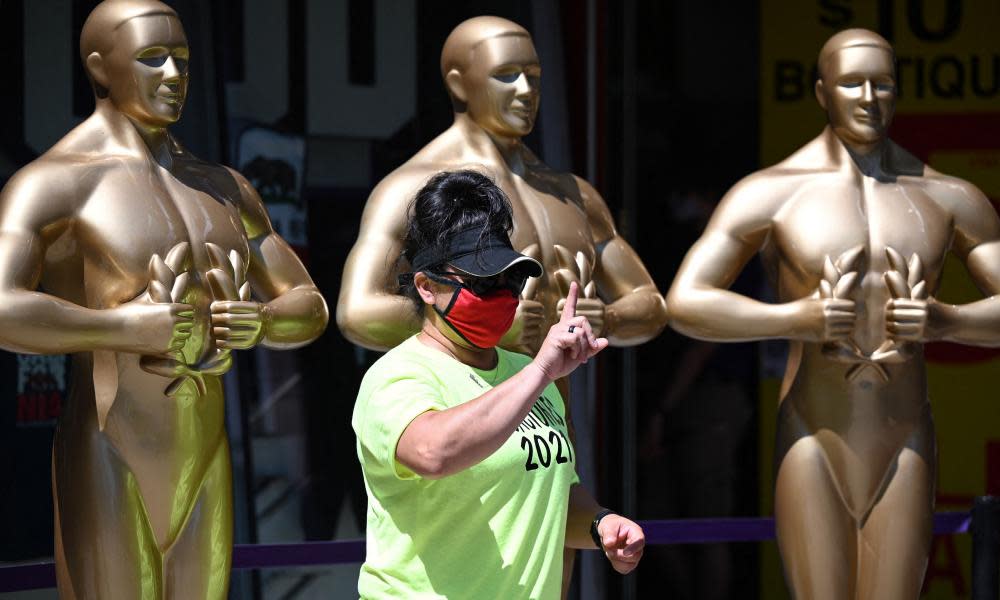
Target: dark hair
(452, 201)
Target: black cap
(478, 253)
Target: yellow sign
(948, 114)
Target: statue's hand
(823, 319)
(906, 312)
(525, 334)
(906, 320)
(829, 315)
(238, 325)
(157, 322)
(154, 328)
(578, 268)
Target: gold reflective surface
(853, 231)
(492, 74)
(149, 266)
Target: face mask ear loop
(451, 303)
(454, 297)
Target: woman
(465, 447)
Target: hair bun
(466, 189)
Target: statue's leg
(103, 542)
(816, 534)
(896, 537)
(198, 563)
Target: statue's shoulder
(819, 155)
(62, 170)
(444, 153)
(912, 171)
(404, 181)
(51, 187)
(81, 157)
(756, 200)
(954, 193)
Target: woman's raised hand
(569, 343)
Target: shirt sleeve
(388, 411)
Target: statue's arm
(39, 201)
(699, 302)
(977, 242)
(370, 312)
(296, 312)
(635, 311)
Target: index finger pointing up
(569, 309)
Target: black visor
(477, 253)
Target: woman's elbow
(427, 457)
(427, 463)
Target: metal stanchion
(986, 548)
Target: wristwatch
(593, 527)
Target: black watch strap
(593, 527)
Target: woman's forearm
(440, 443)
(582, 509)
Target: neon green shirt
(494, 530)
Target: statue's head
(857, 85)
(492, 73)
(136, 55)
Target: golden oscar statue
(123, 249)
(854, 232)
(492, 73)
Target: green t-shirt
(494, 530)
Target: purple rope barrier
(34, 576)
(15, 578)
(756, 529)
(708, 531)
(257, 556)
(40, 575)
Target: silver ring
(571, 328)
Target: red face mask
(480, 320)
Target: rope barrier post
(986, 548)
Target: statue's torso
(829, 215)
(128, 210)
(862, 421)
